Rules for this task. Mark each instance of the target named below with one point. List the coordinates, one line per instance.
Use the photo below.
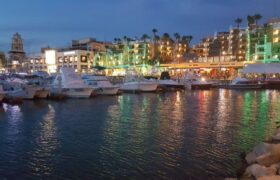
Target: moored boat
(70, 84)
(244, 83)
(166, 82)
(101, 85)
(135, 83)
(193, 82)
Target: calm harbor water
(176, 135)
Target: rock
(276, 136)
(258, 150)
(261, 148)
(269, 178)
(251, 158)
(271, 157)
(257, 171)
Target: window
(83, 59)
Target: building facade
(52, 60)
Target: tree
(177, 36)
(154, 32)
(145, 37)
(257, 17)
(250, 20)
(165, 37)
(238, 21)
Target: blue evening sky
(57, 22)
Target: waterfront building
(237, 44)
(52, 60)
(264, 43)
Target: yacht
(39, 82)
(101, 85)
(136, 83)
(192, 82)
(166, 82)
(70, 84)
(244, 83)
(2, 93)
(16, 88)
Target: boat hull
(77, 92)
(107, 91)
(139, 87)
(42, 94)
(27, 93)
(198, 86)
(256, 86)
(272, 84)
(2, 96)
(168, 84)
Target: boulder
(258, 150)
(269, 178)
(276, 136)
(251, 158)
(261, 148)
(257, 171)
(271, 157)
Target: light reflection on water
(168, 136)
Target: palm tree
(154, 31)
(165, 37)
(257, 17)
(238, 21)
(177, 36)
(250, 20)
(145, 37)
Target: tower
(16, 54)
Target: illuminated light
(274, 76)
(50, 56)
(275, 32)
(256, 57)
(203, 79)
(69, 53)
(275, 40)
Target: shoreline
(263, 162)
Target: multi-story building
(202, 49)
(237, 44)
(51, 60)
(219, 46)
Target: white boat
(70, 84)
(2, 93)
(192, 82)
(166, 82)
(244, 83)
(101, 85)
(18, 88)
(136, 83)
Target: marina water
(174, 135)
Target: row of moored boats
(69, 84)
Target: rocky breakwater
(263, 163)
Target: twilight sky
(57, 22)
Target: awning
(270, 68)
